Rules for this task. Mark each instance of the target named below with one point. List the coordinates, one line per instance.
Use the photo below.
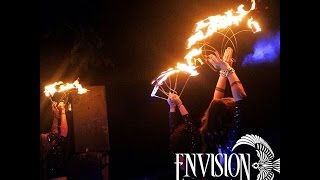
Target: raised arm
(220, 88)
(64, 124)
(174, 119)
(56, 116)
(227, 71)
(237, 89)
(175, 99)
(222, 81)
(192, 136)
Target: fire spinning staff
(204, 29)
(65, 88)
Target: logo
(265, 164)
(230, 164)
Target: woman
(53, 144)
(220, 124)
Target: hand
(55, 109)
(174, 99)
(170, 102)
(211, 62)
(217, 62)
(227, 57)
(61, 106)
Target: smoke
(266, 50)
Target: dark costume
(55, 159)
(185, 136)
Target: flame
(215, 23)
(187, 69)
(81, 90)
(191, 54)
(164, 75)
(204, 29)
(51, 89)
(255, 25)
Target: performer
(53, 145)
(221, 123)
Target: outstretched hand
(221, 63)
(217, 62)
(61, 106)
(227, 56)
(174, 99)
(170, 102)
(212, 59)
(57, 108)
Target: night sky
(125, 45)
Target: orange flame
(187, 69)
(215, 23)
(191, 54)
(51, 89)
(203, 30)
(255, 25)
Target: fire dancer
(220, 124)
(53, 145)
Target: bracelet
(225, 73)
(235, 82)
(180, 105)
(63, 113)
(219, 89)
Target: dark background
(124, 45)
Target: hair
(47, 141)
(44, 148)
(217, 120)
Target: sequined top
(232, 135)
(225, 139)
(185, 136)
(56, 165)
(184, 130)
(210, 143)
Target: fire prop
(204, 29)
(65, 88)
